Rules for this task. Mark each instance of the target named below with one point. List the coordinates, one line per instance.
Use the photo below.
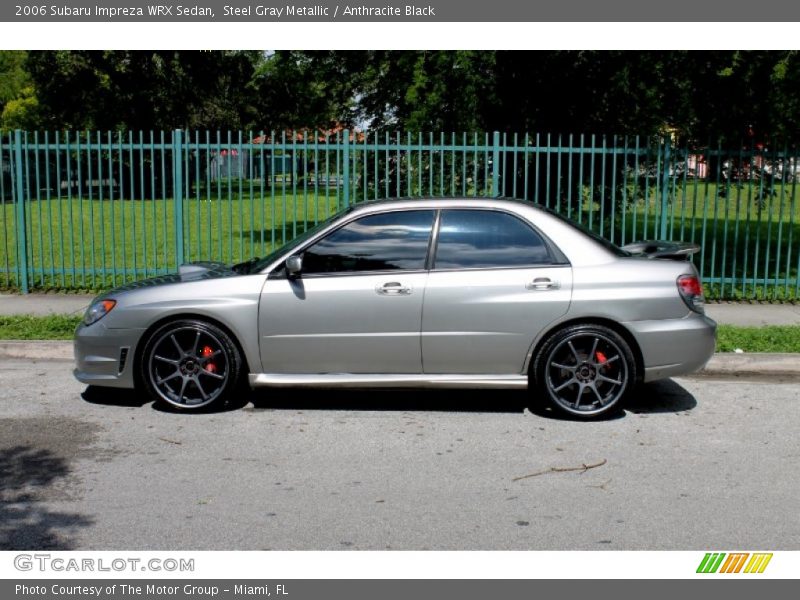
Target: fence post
(177, 192)
(665, 190)
(22, 232)
(346, 168)
(496, 165)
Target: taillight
(691, 291)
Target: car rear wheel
(585, 371)
(190, 365)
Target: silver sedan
(456, 293)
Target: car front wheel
(190, 365)
(585, 371)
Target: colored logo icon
(734, 562)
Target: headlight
(98, 310)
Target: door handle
(393, 288)
(543, 283)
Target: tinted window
(294, 243)
(386, 242)
(470, 239)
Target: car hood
(194, 271)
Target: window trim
(278, 271)
(358, 274)
(556, 257)
(433, 243)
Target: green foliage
(695, 94)
(742, 96)
(307, 90)
(21, 112)
(144, 90)
(772, 338)
(18, 102)
(26, 327)
(425, 90)
(13, 75)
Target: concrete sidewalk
(753, 315)
(42, 305)
(725, 313)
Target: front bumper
(673, 347)
(104, 357)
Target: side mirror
(294, 265)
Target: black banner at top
(398, 11)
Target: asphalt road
(694, 464)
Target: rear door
(495, 283)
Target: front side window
(474, 239)
(393, 241)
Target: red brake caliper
(206, 352)
(601, 359)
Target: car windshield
(607, 244)
(255, 265)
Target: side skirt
(390, 380)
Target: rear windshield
(607, 244)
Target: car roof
(438, 202)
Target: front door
(357, 305)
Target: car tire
(190, 365)
(585, 371)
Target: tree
(21, 112)
(427, 91)
(144, 90)
(13, 75)
(698, 95)
(307, 90)
(18, 102)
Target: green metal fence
(90, 210)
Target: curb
(721, 364)
(757, 364)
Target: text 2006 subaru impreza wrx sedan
(419, 293)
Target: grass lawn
(93, 245)
(750, 247)
(23, 327)
(772, 338)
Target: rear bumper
(104, 356)
(674, 346)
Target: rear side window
(393, 241)
(473, 239)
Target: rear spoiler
(663, 249)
